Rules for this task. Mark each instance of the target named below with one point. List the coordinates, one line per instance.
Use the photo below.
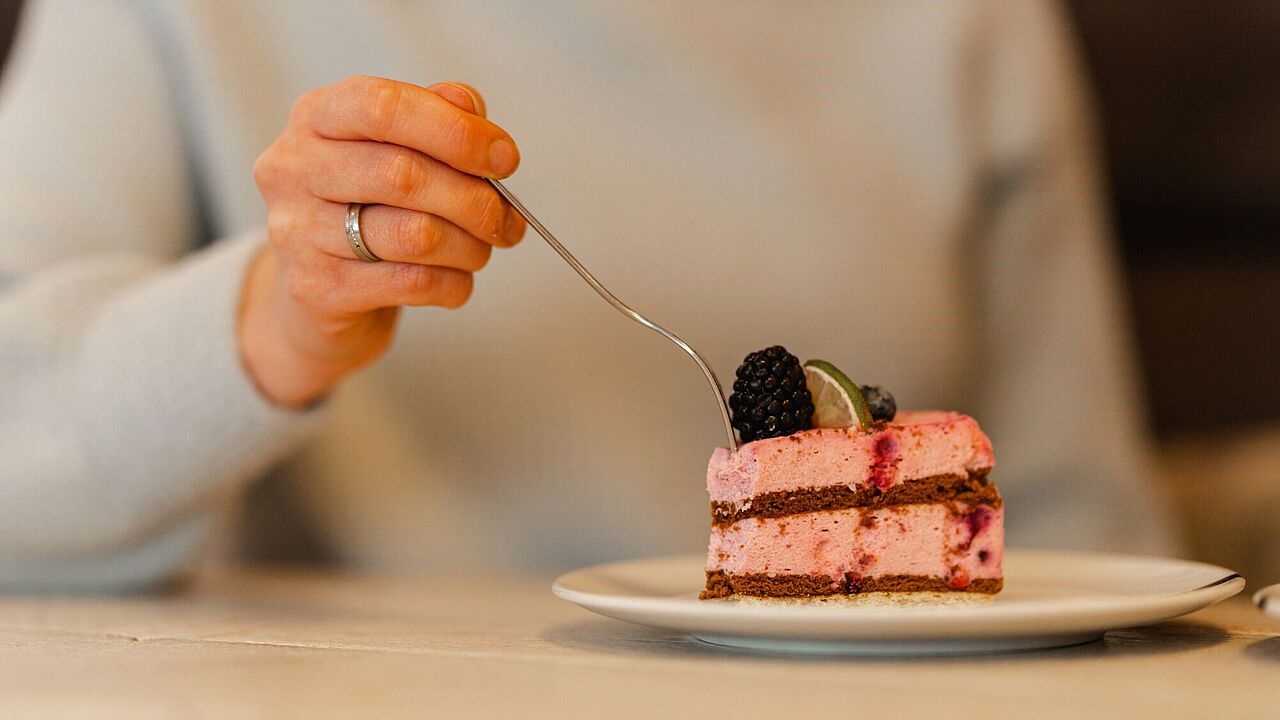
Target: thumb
(460, 95)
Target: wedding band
(358, 247)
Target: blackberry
(770, 398)
(880, 402)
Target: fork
(622, 307)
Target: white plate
(1268, 599)
(1051, 598)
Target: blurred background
(1190, 107)
(1189, 103)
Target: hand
(311, 313)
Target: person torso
(747, 174)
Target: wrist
(282, 375)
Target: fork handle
(622, 307)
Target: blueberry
(880, 402)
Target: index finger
(373, 108)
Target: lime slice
(837, 401)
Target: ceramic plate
(1051, 598)
(1268, 599)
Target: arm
(1057, 379)
(124, 411)
(126, 367)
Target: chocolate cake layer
(973, 489)
(721, 584)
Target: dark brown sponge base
(721, 584)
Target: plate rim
(1267, 599)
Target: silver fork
(621, 306)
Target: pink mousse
(916, 445)
(954, 541)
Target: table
(272, 644)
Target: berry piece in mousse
(880, 402)
(770, 398)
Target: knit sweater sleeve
(125, 414)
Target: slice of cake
(885, 504)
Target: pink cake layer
(916, 445)
(953, 541)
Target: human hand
(311, 313)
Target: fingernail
(514, 227)
(477, 107)
(503, 157)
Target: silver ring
(358, 247)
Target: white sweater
(907, 190)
